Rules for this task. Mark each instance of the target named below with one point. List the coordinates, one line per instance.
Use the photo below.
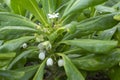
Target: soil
(97, 76)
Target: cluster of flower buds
(45, 45)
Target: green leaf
(7, 55)
(114, 73)
(93, 62)
(29, 72)
(105, 9)
(18, 9)
(11, 75)
(72, 72)
(33, 7)
(4, 63)
(5, 58)
(8, 19)
(49, 6)
(107, 34)
(14, 44)
(91, 25)
(40, 72)
(96, 46)
(17, 58)
(11, 32)
(79, 5)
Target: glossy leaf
(18, 9)
(91, 25)
(11, 74)
(105, 9)
(33, 7)
(96, 46)
(7, 55)
(11, 32)
(40, 72)
(72, 72)
(4, 63)
(95, 62)
(79, 5)
(107, 34)
(14, 44)
(8, 19)
(29, 72)
(114, 73)
(17, 58)
(48, 6)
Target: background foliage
(85, 35)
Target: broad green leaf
(7, 55)
(11, 75)
(79, 5)
(75, 51)
(5, 58)
(105, 9)
(40, 72)
(107, 34)
(96, 46)
(17, 58)
(11, 32)
(4, 63)
(14, 44)
(95, 62)
(49, 6)
(33, 7)
(114, 73)
(72, 72)
(8, 19)
(29, 72)
(91, 25)
(18, 9)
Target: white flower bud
(24, 45)
(49, 62)
(42, 55)
(60, 62)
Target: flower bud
(42, 55)
(24, 45)
(60, 62)
(49, 62)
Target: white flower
(60, 62)
(42, 55)
(24, 45)
(49, 62)
(54, 15)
